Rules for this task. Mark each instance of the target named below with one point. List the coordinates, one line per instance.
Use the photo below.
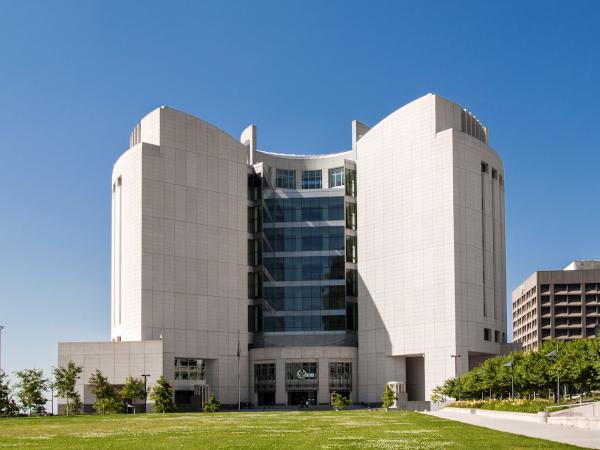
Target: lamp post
(549, 355)
(1, 369)
(456, 371)
(239, 353)
(512, 377)
(145, 375)
(52, 398)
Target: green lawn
(277, 430)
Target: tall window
(350, 182)
(285, 179)
(311, 179)
(336, 177)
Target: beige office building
(557, 304)
(279, 279)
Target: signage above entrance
(303, 374)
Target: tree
(65, 379)
(212, 405)
(388, 398)
(107, 398)
(577, 363)
(133, 389)
(31, 387)
(338, 401)
(162, 396)
(8, 406)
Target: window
(254, 187)
(190, 369)
(254, 284)
(351, 283)
(264, 377)
(311, 179)
(352, 316)
(484, 167)
(304, 209)
(340, 377)
(496, 336)
(254, 252)
(350, 182)
(254, 219)
(487, 334)
(351, 216)
(285, 179)
(336, 177)
(351, 249)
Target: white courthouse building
(278, 279)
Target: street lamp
(512, 377)
(1, 369)
(145, 375)
(549, 355)
(456, 371)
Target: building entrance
(301, 397)
(266, 398)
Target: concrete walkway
(557, 433)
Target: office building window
(487, 334)
(190, 369)
(350, 182)
(351, 283)
(254, 187)
(304, 209)
(311, 179)
(285, 179)
(351, 216)
(336, 177)
(340, 377)
(264, 377)
(254, 284)
(351, 249)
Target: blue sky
(75, 77)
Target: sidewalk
(557, 433)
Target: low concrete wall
(523, 417)
(590, 423)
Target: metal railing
(572, 406)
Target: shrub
(212, 405)
(338, 401)
(388, 397)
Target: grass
(276, 430)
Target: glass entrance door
(302, 398)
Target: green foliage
(107, 397)
(65, 379)
(132, 390)
(162, 396)
(212, 405)
(535, 374)
(388, 398)
(8, 406)
(518, 405)
(338, 401)
(31, 387)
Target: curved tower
(431, 259)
